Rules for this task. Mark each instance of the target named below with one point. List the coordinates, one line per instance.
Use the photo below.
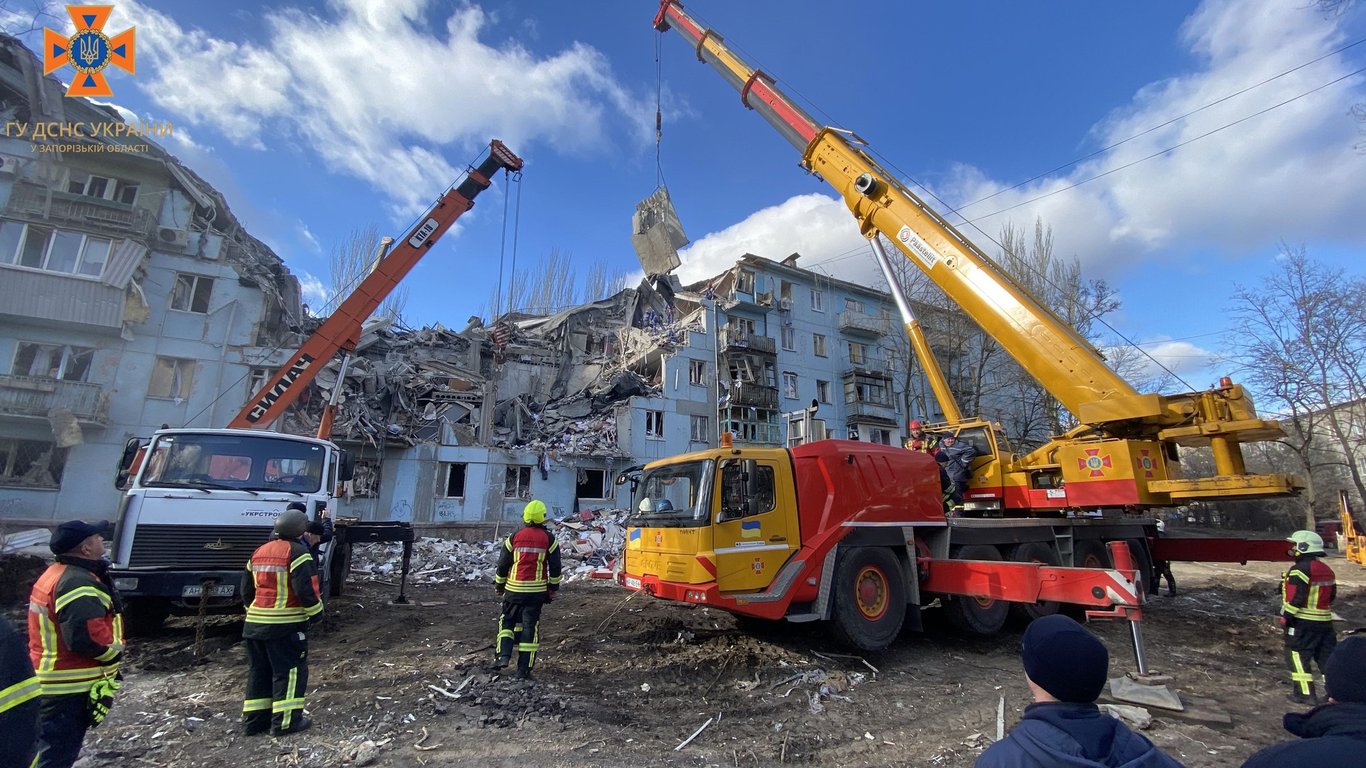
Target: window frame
(790, 384)
(184, 368)
(817, 300)
(520, 492)
(654, 424)
(10, 451)
(51, 235)
(818, 347)
(69, 353)
(193, 293)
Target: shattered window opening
(51, 361)
(697, 372)
(866, 389)
(699, 429)
(880, 435)
(191, 293)
(172, 378)
(517, 483)
(31, 463)
(654, 424)
(257, 380)
(745, 283)
(592, 484)
(818, 344)
(823, 391)
(853, 305)
(789, 385)
(455, 481)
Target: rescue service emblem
(89, 51)
(1094, 462)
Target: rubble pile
(591, 543)
(493, 701)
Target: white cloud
(309, 237)
(1181, 358)
(387, 114)
(315, 293)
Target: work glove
(550, 597)
(499, 588)
(102, 698)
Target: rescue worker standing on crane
(1307, 592)
(282, 597)
(528, 577)
(919, 439)
(75, 640)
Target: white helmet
(646, 506)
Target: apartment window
(654, 424)
(365, 479)
(866, 389)
(53, 250)
(52, 361)
(853, 305)
(789, 338)
(880, 435)
(858, 354)
(31, 463)
(191, 293)
(785, 290)
(171, 378)
(102, 187)
(258, 379)
(823, 391)
(697, 371)
(789, 385)
(818, 344)
(517, 483)
(591, 484)
(455, 481)
(699, 430)
(745, 282)
(818, 300)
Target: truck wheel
(981, 616)
(145, 616)
(1090, 553)
(1043, 554)
(339, 568)
(869, 595)
(1143, 562)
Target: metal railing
(36, 201)
(34, 396)
(858, 322)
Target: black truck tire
(1044, 554)
(1143, 563)
(1090, 553)
(339, 567)
(976, 615)
(869, 598)
(144, 616)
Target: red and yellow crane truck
(855, 534)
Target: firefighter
(919, 439)
(954, 457)
(19, 689)
(1307, 592)
(282, 597)
(75, 640)
(528, 577)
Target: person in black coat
(1066, 669)
(1333, 734)
(19, 691)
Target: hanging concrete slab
(657, 234)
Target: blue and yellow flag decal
(750, 529)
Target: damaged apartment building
(461, 428)
(130, 297)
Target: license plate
(220, 590)
(632, 582)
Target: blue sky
(318, 117)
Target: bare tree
(1302, 340)
(351, 261)
(552, 285)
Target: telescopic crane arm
(341, 331)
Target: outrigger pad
(657, 234)
(1149, 693)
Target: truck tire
(339, 568)
(1143, 562)
(1044, 554)
(869, 594)
(1090, 553)
(975, 615)
(143, 616)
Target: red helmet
(915, 424)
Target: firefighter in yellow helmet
(1307, 592)
(528, 577)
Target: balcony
(747, 393)
(34, 201)
(34, 397)
(869, 412)
(860, 324)
(732, 339)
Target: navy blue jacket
(1330, 735)
(1061, 735)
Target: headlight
(128, 584)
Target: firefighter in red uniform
(282, 596)
(528, 577)
(75, 640)
(1307, 592)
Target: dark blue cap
(70, 534)
(1065, 660)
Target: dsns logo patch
(89, 51)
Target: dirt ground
(625, 681)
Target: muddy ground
(625, 681)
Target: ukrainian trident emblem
(89, 50)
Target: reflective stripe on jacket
(1308, 589)
(530, 562)
(75, 630)
(283, 584)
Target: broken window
(745, 282)
(753, 425)
(171, 378)
(818, 344)
(257, 380)
(823, 391)
(455, 481)
(191, 293)
(866, 389)
(785, 290)
(31, 463)
(52, 361)
(789, 338)
(365, 479)
(699, 431)
(790, 385)
(880, 435)
(858, 354)
(592, 484)
(517, 483)
(654, 424)
(697, 371)
(818, 300)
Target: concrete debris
(591, 543)
(657, 234)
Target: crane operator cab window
(747, 489)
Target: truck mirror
(346, 466)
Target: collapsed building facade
(462, 428)
(130, 297)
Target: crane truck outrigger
(855, 533)
(199, 501)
